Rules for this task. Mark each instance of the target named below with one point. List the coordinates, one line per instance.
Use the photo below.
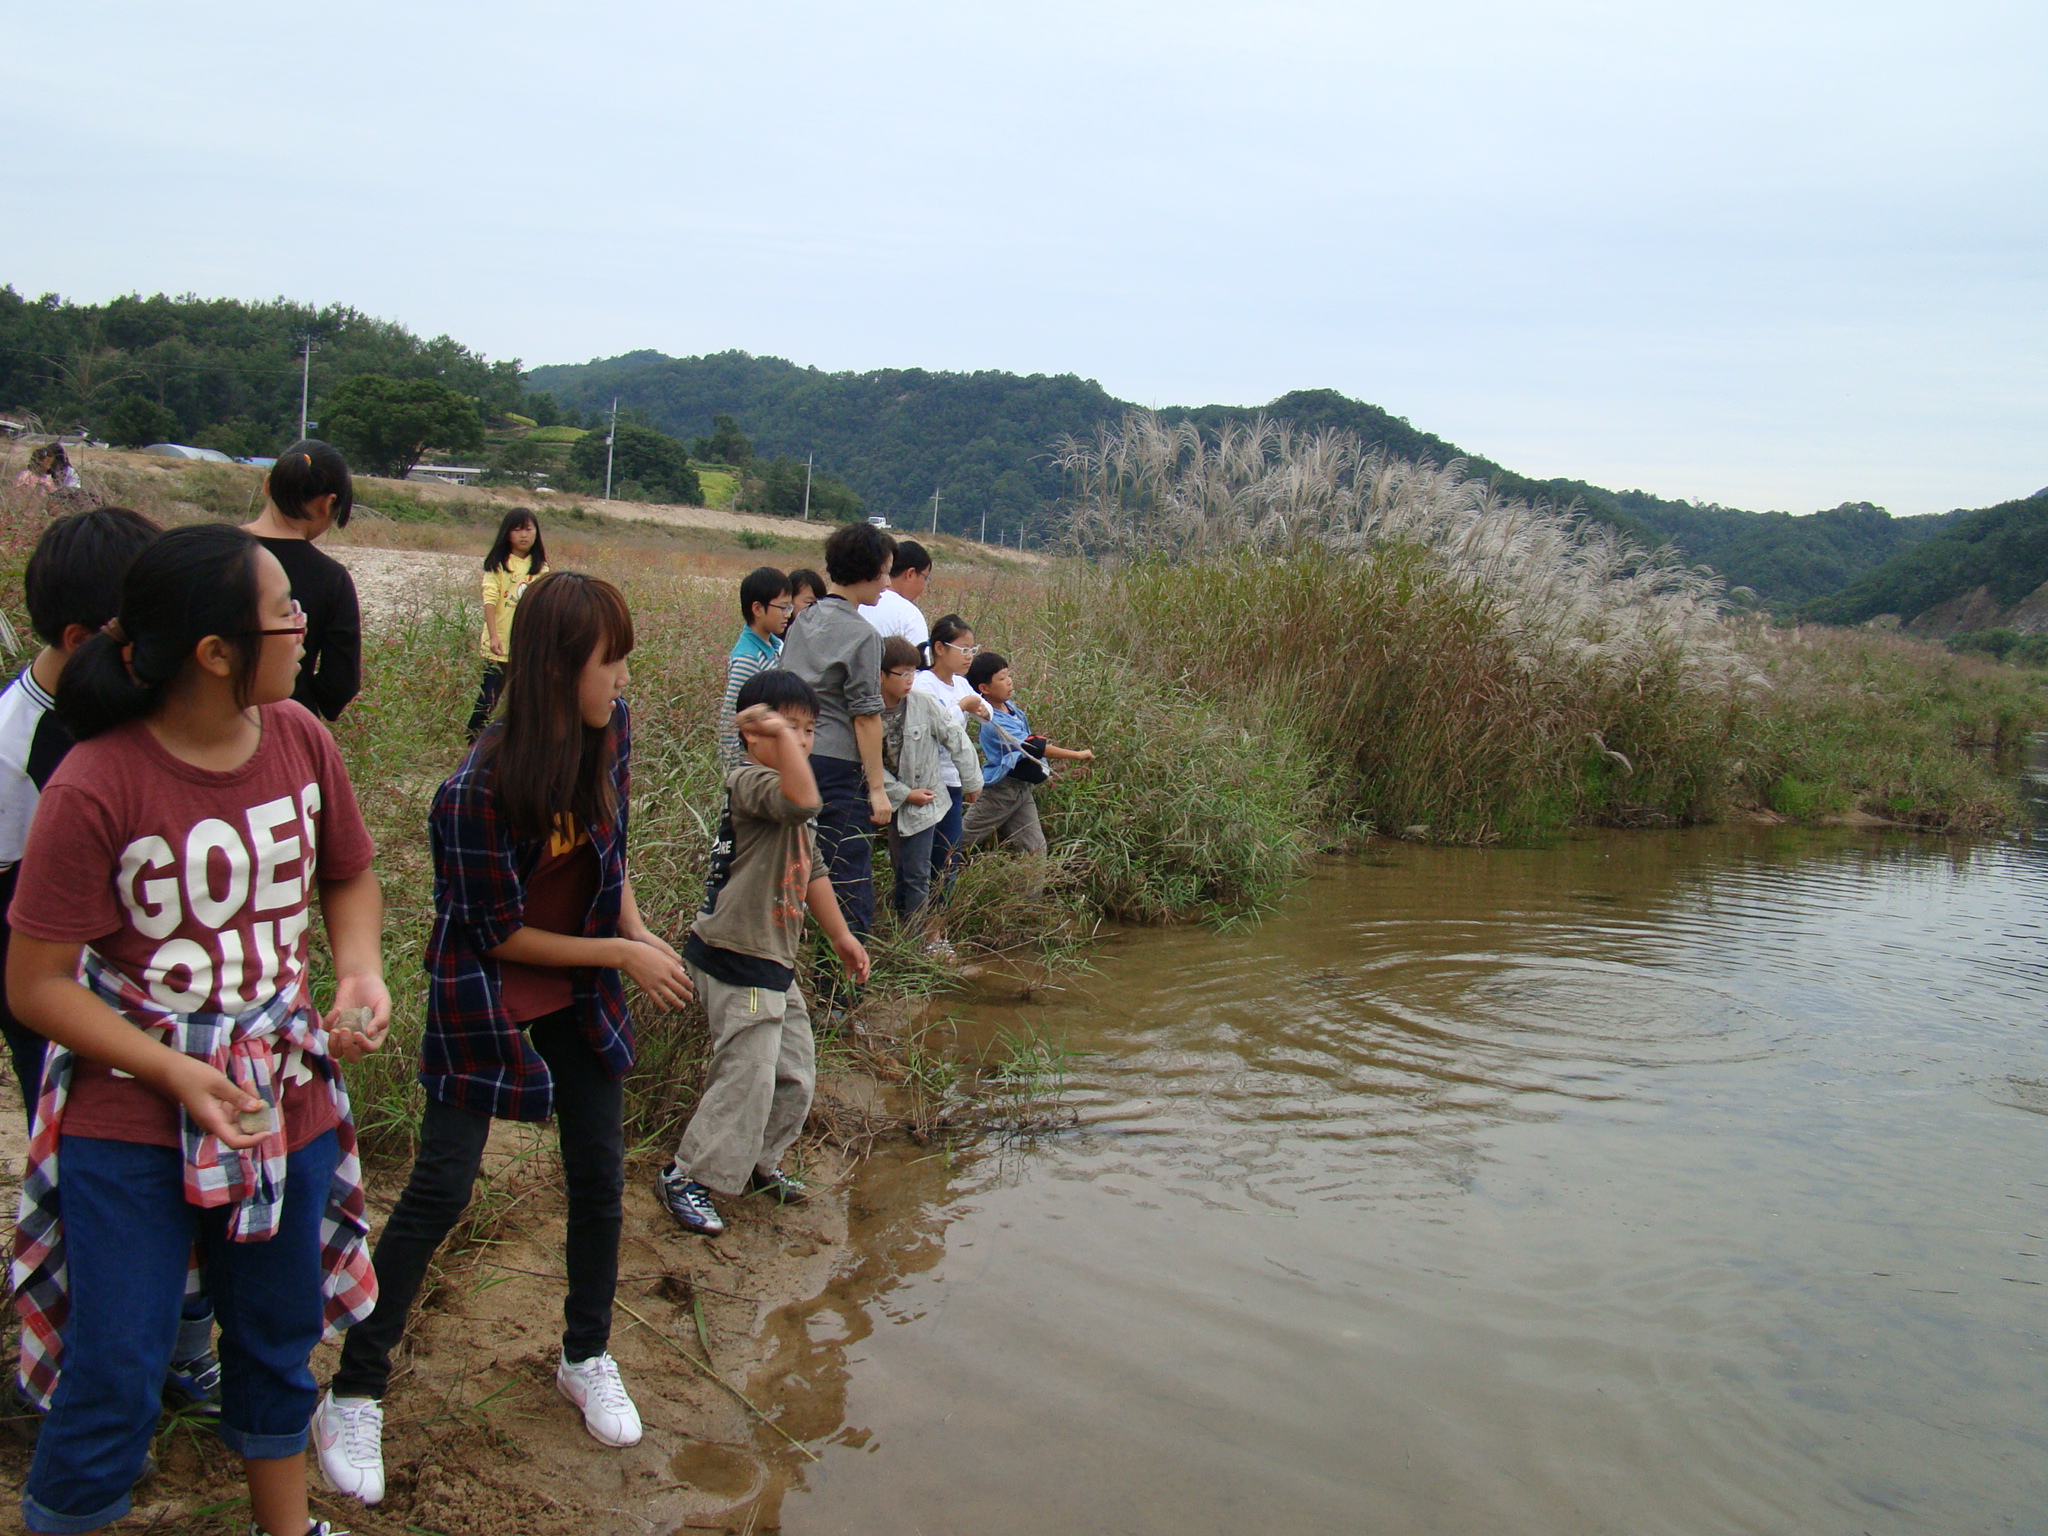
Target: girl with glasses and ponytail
(192, 1098)
(948, 654)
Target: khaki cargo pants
(758, 1087)
(1008, 812)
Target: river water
(1677, 1182)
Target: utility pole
(984, 525)
(611, 438)
(935, 509)
(305, 379)
(807, 485)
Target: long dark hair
(307, 469)
(501, 546)
(544, 761)
(181, 587)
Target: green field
(718, 486)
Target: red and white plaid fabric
(251, 1048)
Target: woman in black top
(309, 492)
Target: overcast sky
(1776, 255)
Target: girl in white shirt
(948, 654)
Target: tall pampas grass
(1475, 664)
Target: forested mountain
(1785, 560)
(2001, 549)
(218, 373)
(225, 374)
(981, 440)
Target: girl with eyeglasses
(948, 654)
(192, 1096)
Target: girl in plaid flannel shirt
(191, 1096)
(534, 921)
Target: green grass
(717, 485)
(556, 434)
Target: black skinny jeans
(589, 1108)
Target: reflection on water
(1676, 1182)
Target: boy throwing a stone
(741, 955)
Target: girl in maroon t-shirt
(159, 942)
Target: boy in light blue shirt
(1015, 763)
(766, 606)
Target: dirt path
(393, 584)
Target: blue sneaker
(689, 1202)
(195, 1384)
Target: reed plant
(1470, 667)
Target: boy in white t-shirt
(895, 612)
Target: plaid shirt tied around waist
(250, 1048)
(474, 1054)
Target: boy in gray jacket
(915, 727)
(741, 954)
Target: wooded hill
(982, 441)
(225, 374)
(1980, 566)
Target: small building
(447, 474)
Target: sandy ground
(477, 1439)
(392, 582)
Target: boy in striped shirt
(766, 606)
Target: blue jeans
(946, 842)
(845, 830)
(912, 857)
(128, 1235)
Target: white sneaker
(348, 1435)
(594, 1386)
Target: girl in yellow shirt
(517, 559)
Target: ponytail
(181, 587)
(311, 469)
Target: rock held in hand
(357, 1019)
(253, 1122)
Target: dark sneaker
(779, 1187)
(195, 1383)
(689, 1202)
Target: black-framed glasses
(900, 672)
(782, 607)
